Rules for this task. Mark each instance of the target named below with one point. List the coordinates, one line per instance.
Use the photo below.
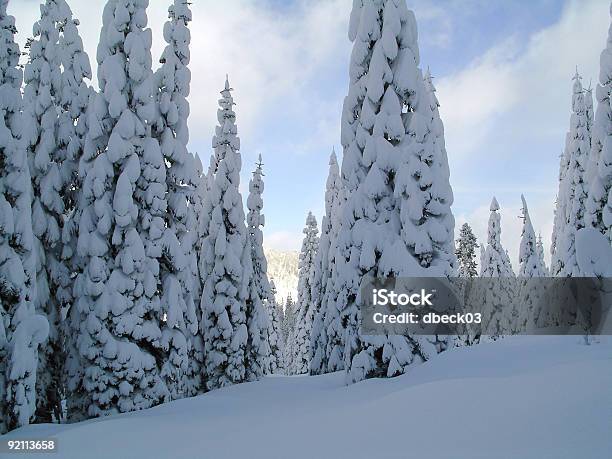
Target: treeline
(128, 275)
(388, 209)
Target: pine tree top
(428, 78)
(259, 166)
(226, 132)
(525, 210)
(494, 205)
(9, 59)
(530, 258)
(333, 160)
(179, 10)
(311, 221)
(466, 228)
(578, 103)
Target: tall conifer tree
(258, 315)
(225, 259)
(41, 106)
(397, 219)
(573, 188)
(599, 203)
(180, 338)
(326, 340)
(466, 252)
(300, 337)
(75, 97)
(22, 330)
(121, 222)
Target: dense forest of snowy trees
(130, 276)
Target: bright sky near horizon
(503, 72)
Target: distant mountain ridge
(283, 268)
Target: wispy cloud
(284, 240)
(505, 111)
(270, 55)
(532, 81)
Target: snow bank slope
(524, 397)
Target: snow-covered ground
(522, 397)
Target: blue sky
(503, 71)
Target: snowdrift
(520, 397)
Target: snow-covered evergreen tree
(28, 335)
(598, 213)
(160, 248)
(121, 222)
(300, 337)
(180, 339)
(289, 319)
(326, 340)
(590, 114)
(197, 351)
(436, 222)
(41, 102)
(530, 265)
(72, 127)
(466, 252)
(540, 254)
(55, 97)
(289, 316)
(3, 364)
(591, 169)
(557, 227)
(397, 218)
(594, 256)
(75, 95)
(496, 262)
(572, 196)
(203, 207)
(482, 257)
(497, 317)
(559, 212)
(257, 352)
(201, 189)
(275, 338)
(225, 260)
(22, 330)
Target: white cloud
(440, 16)
(283, 240)
(270, 56)
(443, 18)
(513, 104)
(283, 62)
(276, 58)
(471, 98)
(533, 81)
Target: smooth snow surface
(527, 397)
